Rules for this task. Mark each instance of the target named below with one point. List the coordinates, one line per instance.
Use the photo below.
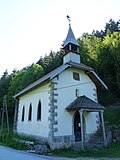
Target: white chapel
(62, 107)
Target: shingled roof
(84, 102)
(70, 38)
(89, 71)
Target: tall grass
(10, 141)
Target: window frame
(76, 76)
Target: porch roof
(84, 103)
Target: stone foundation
(62, 142)
(91, 141)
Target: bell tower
(71, 47)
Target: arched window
(23, 113)
(39, 111)
(30, 113)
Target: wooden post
(4, 110)
(103, 127)
(1, 130)
(81, 121)
(15, 116)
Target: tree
(21, 80)
(109, 62)
(110, 27)
(52, 61)
(103, 54)
(5, 83)
(89, 50)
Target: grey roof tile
(70, 38)
(84, 102)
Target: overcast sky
(29, 29)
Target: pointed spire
(70, 38)
(71, 47)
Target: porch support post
(81, 120)
(103, 127)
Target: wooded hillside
(100, 50)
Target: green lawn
(112, 151)
(10, 142)
(112, 116)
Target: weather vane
(68, 17)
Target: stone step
(93, 145)
(94, 141)
(76, 145)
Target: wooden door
(77, 127)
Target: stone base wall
(62, 141)
(55, 142)
(68, 141)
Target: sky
(30, 29)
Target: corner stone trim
(52, 111)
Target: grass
(10, 142)
(112, 116)
(113, 151)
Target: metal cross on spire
(68, 17)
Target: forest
(99, 50)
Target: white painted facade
(66, 85)
(66, 90)
(71, 57)
(34, 127)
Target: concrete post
(81, 121)
(103, 127)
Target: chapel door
(77, 127)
